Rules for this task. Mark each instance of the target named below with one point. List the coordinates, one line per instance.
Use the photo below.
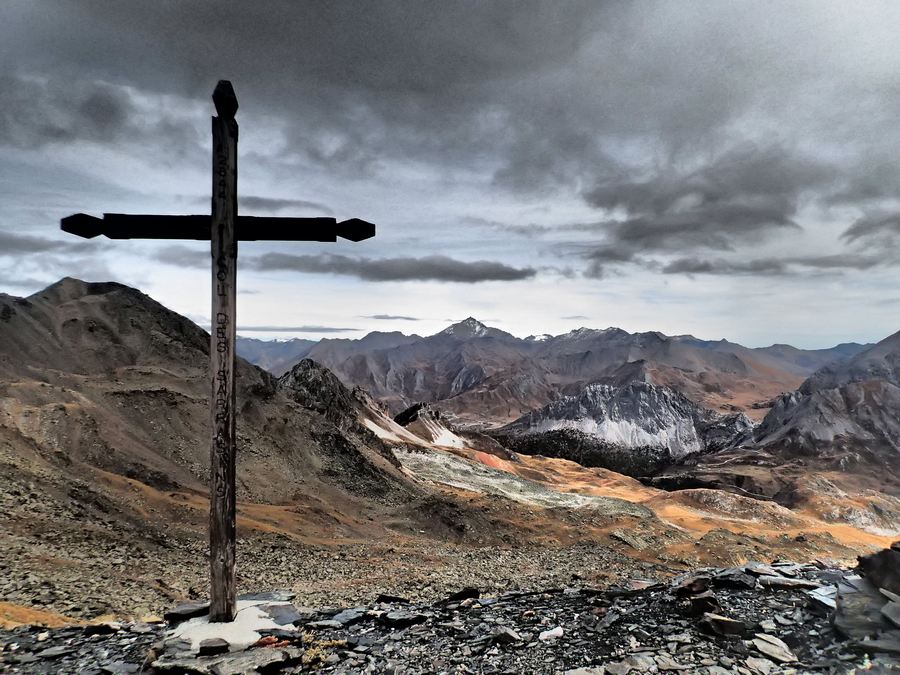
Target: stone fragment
(325, 623)
(692, 585)
(348, 617)
(185, 611)
(665, 662)
(595, 670)
(858, 614)
(505, 636)
(252, 661)
(883, 568)
(640, 662)
(55, 652)
(723, 625)
(887, 644)
(774, 648)
(824, 597)
(618, 668)
(403, 618)
(120, 668)
(703, 603)
(634, 541)
(385, 599)
(283, 614)
(212, 646)
(734, 577)
(891, 611)
(785, 582)
(759, 665)
(270, 596)
(551, 635)
(761, 569)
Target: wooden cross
(224, 228)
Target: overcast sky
(721, 169)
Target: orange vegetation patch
(564, 475)
(15, 615)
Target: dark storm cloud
(183, 256)
(697, 130)
(739, 194)
(11, 279)
(396, 80)
(873, 226)
(778, 266)
(275, 204)
(390, 317)
(719, 266)
(39, 111)
(429, 268)
(20, 245)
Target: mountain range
(105, 457)
(486, 377)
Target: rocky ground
(87, 578)
(752, 619)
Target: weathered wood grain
(222, 364)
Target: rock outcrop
(635, 428)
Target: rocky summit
(752, 619)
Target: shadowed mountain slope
(846, 412)
(102, 376)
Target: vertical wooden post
(221, 355)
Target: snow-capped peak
(469, 327)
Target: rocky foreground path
(754, 619)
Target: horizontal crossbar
(247, 228)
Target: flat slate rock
(283, 615)
(774, 648)
(213, 646)
(771, 581)
(403, 618)
(239, 663)
(348, 617)
(891, 612)
(269, 596)
(723, 625)
(186, 610)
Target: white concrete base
(240, 634)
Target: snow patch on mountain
(680, 438)
(634, 428)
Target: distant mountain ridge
(486, 376)
(276, 356)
